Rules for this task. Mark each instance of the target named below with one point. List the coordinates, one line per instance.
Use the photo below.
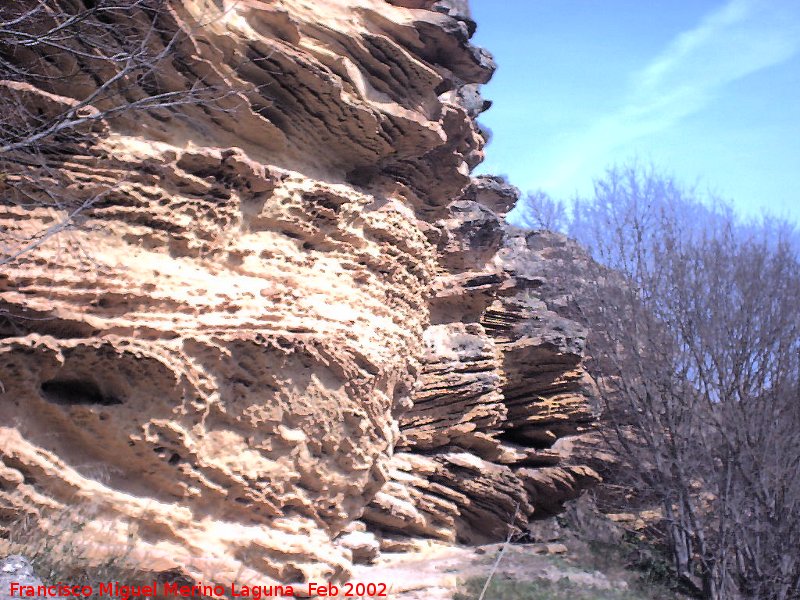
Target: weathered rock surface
(273, 319)
(501, 384)
(16, 569)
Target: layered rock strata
(500, 389)
(268, 319)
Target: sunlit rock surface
(501, 385)
(278, 315)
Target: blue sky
(708, 91)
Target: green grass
(503, 588)
(640, 575)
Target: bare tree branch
(696, 353)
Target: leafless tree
(696, 351)
(538, 210)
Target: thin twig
(501, 553)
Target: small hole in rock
(74, 391)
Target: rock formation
(15, 569)
(276, 313)
(501, 383)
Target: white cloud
(739, 38)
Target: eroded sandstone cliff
(286, 310)
(501, 383)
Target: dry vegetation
(59, 552)
(66, 69)
(695, 350)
